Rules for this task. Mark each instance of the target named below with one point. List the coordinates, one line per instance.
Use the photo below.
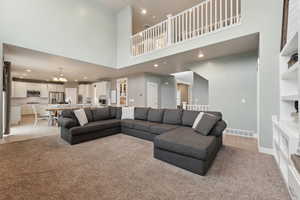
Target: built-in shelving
(291, 73)
(292, 97)
(286, 127)
(291, 46)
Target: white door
(152, 95)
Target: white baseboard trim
(239, 132)
(264, 150)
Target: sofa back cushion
(68, 114)
(217, 114)
(188, 117)
(155, 115)
(206, 123)
(141, 113)
(101, 114)
(89, 114)
(115, 112)
(218, 129)
(172, 116)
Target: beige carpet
(122, 167)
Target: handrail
(207, 17)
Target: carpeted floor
(121, 167)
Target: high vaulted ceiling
(157, 10)
(44, 66)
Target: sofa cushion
(81, 117)
(142, 125)
(118, 113)
(206, 124)
(127, 123)
(115, 112)
(89, 114)
(155, 115)
(172, 116)
(218, 128)
(141, 113)
(187, 142)
(95, 126)
(67, 122)
(157, 128)
(68, 114)
(188, 117)
(101, 114)
(217, 114)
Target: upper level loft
(205, 18)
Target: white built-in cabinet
(86, 91)
(100, 89)
(19, 89)
(286, 127)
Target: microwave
(33, 93)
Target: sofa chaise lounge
(175, 141)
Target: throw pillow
(206, 124)
(81, 117)
(197, 120)
(127, 113)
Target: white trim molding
(240, 132)
(264, 150)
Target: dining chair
(37, 117)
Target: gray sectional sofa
(170, 130)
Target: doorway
(152, 95)
(182, 94)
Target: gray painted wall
(232, 79)
(168, 93)
(1, 88)
(255, 19)
(137, 90)
(79, 29)
(200, 91)
(124, 32)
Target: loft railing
(196, 107)
(206, 17)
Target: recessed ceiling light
(61, 74)
(28, 70)
(153, 17)
(85, 77)
(76, 80)
(144, 11)
(155, 65)
(200, 55)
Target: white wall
(78, 29)
(124, 32)
(232, 79)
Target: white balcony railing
(196, 107)
(206, 17)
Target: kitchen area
(35, 104)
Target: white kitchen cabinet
(56, 88)
(15, 115)
(19, 89)
(44, 91)
(26, 109)
(86, 91)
